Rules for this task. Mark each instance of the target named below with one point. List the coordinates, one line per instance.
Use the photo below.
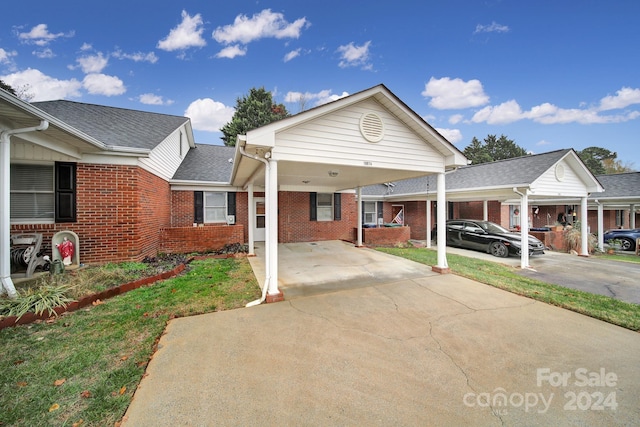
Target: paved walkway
(431, 350)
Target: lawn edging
(31, 317)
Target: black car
(488, 237)
(626, 237)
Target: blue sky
(547, 74)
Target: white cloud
(92, 63)
(40, 35)
(232, 51)
(153, 99)
(43, 87)
(455, 119)
(85, 47)
(623, 98)
(446, 93)
(150, 57)
(452, 135)
(102, 84)
(187, 34)
(6, 57)
(293, 54)
(208, 115)
(491, 28)
(507, 112)
(319, 98)
(354, 56)
(44, 53)
(265, 24)
(542, 143)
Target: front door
(258, 231)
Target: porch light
(333, 174)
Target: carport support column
(485, 210)
(359, 222)
(524, 228)
(273, 293)
(252, 220)
(584, 227)
(441, 218)
(632, 217)
(600, 226)
(428, 227)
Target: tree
(493, 149)
(252, 111)
(612, 166)
(7, 87)
(593, 158)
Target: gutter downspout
(5, 202)
(524, 228)
(267, 275)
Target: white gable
(560, 180)
(336, 138)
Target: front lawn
(82, 368)
(504, 277)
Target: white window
(370, 215)
(32, 193)
(215, 207)
(325, 207)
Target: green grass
(504, 277)
(629, 257)
(102, 352)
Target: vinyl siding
(336, 139)
(570, 186)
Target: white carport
(549, 178)
(367, 138)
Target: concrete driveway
(616, 279)
(430, 350)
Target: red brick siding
(200, 239)
(120, 210)
(294, 224)
(182, 208)
(386, 235)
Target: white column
(428, 223)
(359, 232)
(272, 216)
(441, 218)
(584, 228)
(485, 210)
(600, 226)
(524, 229)
(252, 219)
(5, 218)
(632, 217)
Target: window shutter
(380, 210)
(65, 209)
(231, 203)
(337, 206)
(313, 208)
(198, 207)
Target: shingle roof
(503, 173)
(619, 185)
(207, 163)
(117, 127)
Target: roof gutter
(5, 201)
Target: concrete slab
(430, 350)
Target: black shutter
(65, 209)
(380, 210)
(231, 204)
(337, 206)
(198, 207)
(313, 206)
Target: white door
(260, 210)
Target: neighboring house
(618, 201)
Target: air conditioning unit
(231, 219)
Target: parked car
(626, 237)
(488, 237)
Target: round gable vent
(371, 127)
(559, 172)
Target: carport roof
(207, 163)
(475, 182)
(623, 188)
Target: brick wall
(386, 235)
(206, 238)
(294, 224)
(120, 210)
